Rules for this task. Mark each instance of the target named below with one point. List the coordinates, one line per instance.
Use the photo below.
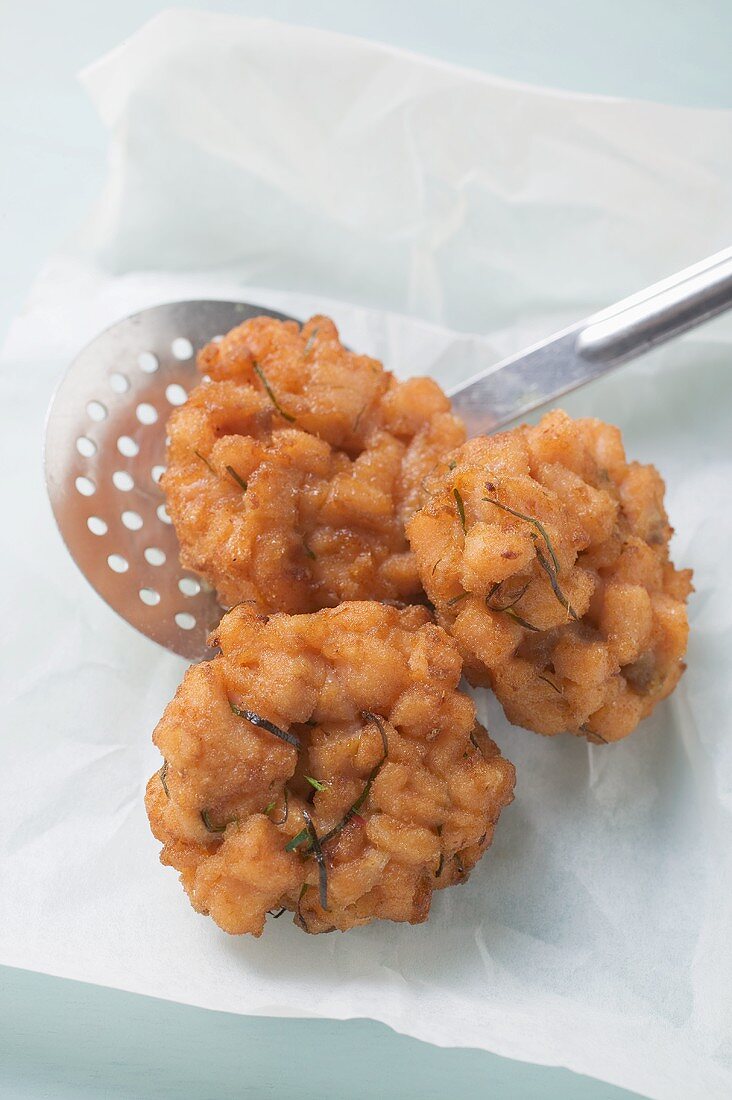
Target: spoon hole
(146, 413)
(147, 362)
(123, 481)
(127, 446)
(96, 525)
(120, 383)
(85, 486)
(117, 563)
(132, 520)
(86, 446)
(182, 348)
(154, 555)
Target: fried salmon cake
(546, 555)
(292, 471)
(326, 765)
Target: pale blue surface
(62, 1039)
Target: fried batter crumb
(393, 792)
(291, 472)
(545, 554)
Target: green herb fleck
(271, 394)
(320, 860)
(456, 599)
(265, 724)
(441, 864)
(237, 478)
(297, 840)
(370, 717)
(206, 819)
(270, 806)
(299, 917)
(357, 421)
(546, 566)
(285, 815)
(315, 783)
(506, 607)
(522, 622)
(528, 519)
(205, 461)
(551, 684)
(461, 509)
(452, 465)
(163, 773)
(275, 914)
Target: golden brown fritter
(545, 553)
(393, 792)
(292, 472)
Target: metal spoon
(105, 434)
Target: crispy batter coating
(404, 787)
(571, 610)
(292, 472)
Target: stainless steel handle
(587, 350)
(666, 310)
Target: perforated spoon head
(104, 457)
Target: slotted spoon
(105, 434)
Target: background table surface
(62, 1039)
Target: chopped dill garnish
(452, 465)
(285, 815)
(271, 394)
(299, 916)
(311, 340)
(514, 599)
(310, 553)
(163, 773)
(461, 509)
(237, 478)
(353, 810)
(297, 840)
(206, 819)
(441, 864)
(265, 724)
(270, 806)
(528, 519)
(378, 722)
(305, 836)
(320, 860)
(357, 421)
(276, 913)
(434, 567)
(551, 684)
(522, 622)
(315, 783)
(205, 461)
(475, 744)
(456, 599)
(546, 566)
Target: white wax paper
(247, 155)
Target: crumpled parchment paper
(300, 169)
